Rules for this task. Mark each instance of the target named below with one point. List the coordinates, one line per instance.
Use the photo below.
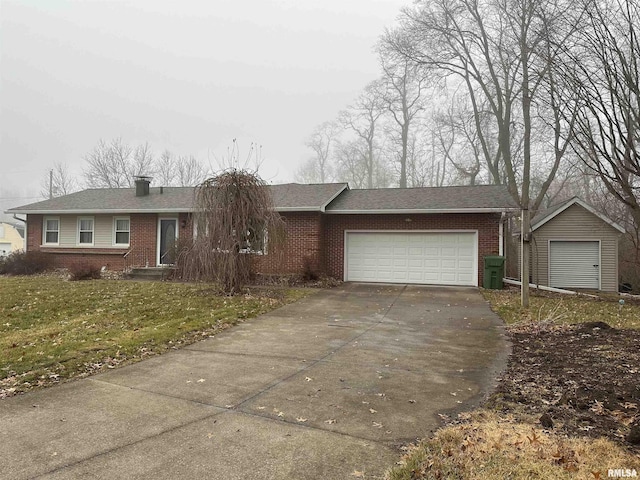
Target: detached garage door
(440, 258)
(574, 264)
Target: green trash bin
(493, 272)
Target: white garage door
(437, 258)
(574, 264)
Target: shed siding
(576, 223)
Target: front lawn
(565, 309)
(564, 407)
(52, 329)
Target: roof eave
(110, 211)
(405, 211)
(106, 211)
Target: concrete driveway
(320, 389)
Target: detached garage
(573, 246)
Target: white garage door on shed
(435, 258)
(574, 264)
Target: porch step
(150, 273)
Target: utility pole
(51, 183)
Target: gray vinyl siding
(575, 223)
(102, 231)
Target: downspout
(501, 234)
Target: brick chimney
(142, 185)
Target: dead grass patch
(561, 309)
(490, 447)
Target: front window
(51, 231)
(255, 241)
(85, 231)
(122, 229)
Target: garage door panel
(412, 257)
(574, 264)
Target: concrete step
(150, 273)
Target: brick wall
(143, 238)
(304, 239)
(34, 232)
(309, 234)
(485, 224)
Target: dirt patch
(584, 377)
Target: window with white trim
(85, 230)
(255, 240)
(121, 230)
(51, 231)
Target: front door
(167, 234)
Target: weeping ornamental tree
(235, 222)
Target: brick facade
(315, 235)
(304, 239)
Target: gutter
(128, 211)
(421, 210)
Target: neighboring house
(573, 246)
(416, 235)
(10, 239)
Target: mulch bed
(584, 377)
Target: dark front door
(168, 233)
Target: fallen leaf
(377, 425)
(371, 410)
(281, 414)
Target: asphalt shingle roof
(291, 196)
(479, 197)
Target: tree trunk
(526, 255)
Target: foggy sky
(188, 76)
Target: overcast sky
(184, 75)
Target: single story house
(10, 239)
(573, 246)
(434, 235)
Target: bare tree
(350, 163)
(606, 79)
(189, 171)
(58, 182)
(235, 218)
(403, 96)
(111, 165)
(142, 162)
(166, 168)
(321, 142)
(362, 118)
(503, 52)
